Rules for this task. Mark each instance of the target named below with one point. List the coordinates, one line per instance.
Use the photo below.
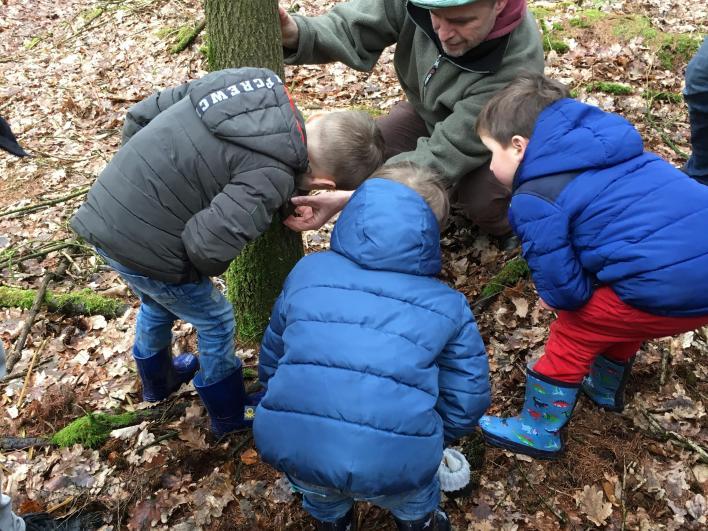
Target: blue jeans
(199, 303)
(696, 96)
(328, 504)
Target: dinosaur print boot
(536, 430)
(606, 382)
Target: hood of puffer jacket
(388, 226)
(250, 107)
(572, 136)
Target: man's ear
(499, 6)
(519, 145)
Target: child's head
(423, 180)
(507, 121)
(344, 148)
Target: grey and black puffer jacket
(202, 170)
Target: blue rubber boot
(606, 382)
(162, 374)
(536, 430)
(227, 403)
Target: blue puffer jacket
(368, 359)
(592, 208)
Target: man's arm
(544, 229)
(354, 33)
(143, 112)
(313, 211)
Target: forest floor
(69, 69)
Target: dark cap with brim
(440, 4)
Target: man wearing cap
(451, 57)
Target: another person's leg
(401, 129)
(331, 508)
(484, 201)
(417, 509)
(696, 96)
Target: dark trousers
(482, 199)
(696, 96)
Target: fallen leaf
(591, 503)
(249, 457)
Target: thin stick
(21, 398)
(56, 507)
(21, 374)
(658, 429)
(16, 354)
(45, 251)
(168, 435)
(558, 514)
(43, 204)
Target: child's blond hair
(423, 180)
(350, 147)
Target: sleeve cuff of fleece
(295, 57)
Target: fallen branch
(37, 352)
(16, 353)
(188, 39)
(42, 251)
(44, 204)
(23, 443)
(83, 302)
(657, 429)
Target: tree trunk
(247, 33)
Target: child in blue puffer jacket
(371, 364)
(612, 236)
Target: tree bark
(247, 33)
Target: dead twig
(43, 251)
(22, 443)
(558, 513)
(657, 429)
(44, 204)
(37, 352)
(20, 343)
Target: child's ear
(519, 144)
(323, 183)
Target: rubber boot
(162, 374)
(435, 521)
(536, 430)
(345, 523)
(606, 382)
(227, 403)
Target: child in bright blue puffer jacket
(371, 364)
(612, 236)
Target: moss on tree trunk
(247, 33)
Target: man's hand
(313, 211)
(288, 27)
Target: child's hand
(313, 211)
(545, 305)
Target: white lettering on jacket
(250, 85)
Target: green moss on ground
(587, 18)
(513, 271)
(84, 302)
(618, 89)
(92, 429)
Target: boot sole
(521, 448)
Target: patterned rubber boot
(536, 430)
(435, 521)
(162, 375)
(606, 382)
(345, 523)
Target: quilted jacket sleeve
(240, 213)
(544, 230)
(140, 114)
(272, 346)
(463, 381)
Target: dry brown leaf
(591, 504)
(249, 457)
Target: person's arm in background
(143, 112)
(463, 381)
(313, 211)
(354, 33)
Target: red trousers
(607, 326)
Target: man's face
(464, 27)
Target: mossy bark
(247, 33)
(84, 302)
